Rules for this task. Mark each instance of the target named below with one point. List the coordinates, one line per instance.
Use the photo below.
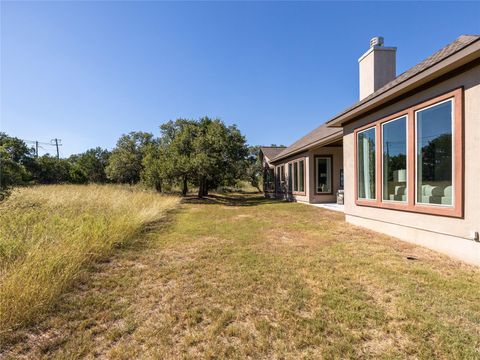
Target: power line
(38, 144)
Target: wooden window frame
(316, 174)
(297, 180)
(411, 205)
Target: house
(411, 149)
(311, 169)
(267, 153)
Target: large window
(414, 158)
(394, 146)
(298, 177)
(366, 158)
(290, 177)
(301, 185)
(434, 154)
(278, 183)
(295, 176)
(323, 181)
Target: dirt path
(251, 278)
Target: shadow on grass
(240, 199)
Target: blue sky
(87, 72)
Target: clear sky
(86, 72)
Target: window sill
(299, 193)
(417, 208)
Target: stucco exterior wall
(446, 234)
(337, 165)
(310, 195)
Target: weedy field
(50, 234)
(235, 276)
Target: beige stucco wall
(376, 68)
(298, 197)
(337, 164)
(449, 235)
(309, 156)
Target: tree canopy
(203, 153)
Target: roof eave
(456, 60)
(322, 142)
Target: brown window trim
(298, 192)
(316, 174)
(458, 154)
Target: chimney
(377, 67)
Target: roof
(319, 136)
(413, 75)
(271, 151)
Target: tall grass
(49, 234)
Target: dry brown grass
(49, 234)
(253, 278)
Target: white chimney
(377, 67)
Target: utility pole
(57, 144)
(36, 149)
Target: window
(282, 173)
(269, 180)
(394, 165)
(301, 176)
(298, 177)
(418, 162)
(435, 154)
(295, 176)
(290, 175)
(323, 174)
(278, 185)
(366, 159)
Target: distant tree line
(204, 154)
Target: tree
(154, 172)
(219, 155)
(125, 162)
(177, 144)
(93, 163)
(254, 169)
(15, 161)
(50, 170)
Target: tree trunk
(202, 188)
(185, 187)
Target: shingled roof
(325, 133)
(271, 151)
(453, 48)
(319, 136)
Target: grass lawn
(245, 277)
